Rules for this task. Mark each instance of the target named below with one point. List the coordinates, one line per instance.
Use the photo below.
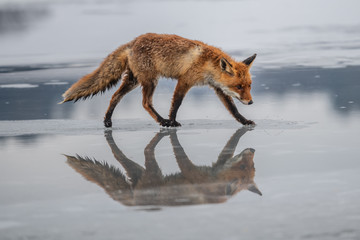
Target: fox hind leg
(129, 83)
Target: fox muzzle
(246, 102)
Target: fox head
(235, 79)
(239, 172)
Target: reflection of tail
(104, 77)
(104, 175)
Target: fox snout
(246, 102)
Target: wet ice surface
(63, 176)
(307, 173)
(306, 161)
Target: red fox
(151, 56)
(144, 186)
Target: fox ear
(253, 188)
(226, 66)
(249, 60)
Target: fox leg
(133, 170)
(189, 170)
(152, 175)
(230, 105)
(148, 88)
(129, 82)
(229, 148)
(179, 94)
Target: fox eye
(239, 87)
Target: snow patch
(19, 85)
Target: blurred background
(311, 33)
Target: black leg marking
(230, 105)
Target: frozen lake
(295, 175)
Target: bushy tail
(111, 179)
(104, 77)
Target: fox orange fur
(151, 56)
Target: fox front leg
(230, 105)
(179, 94)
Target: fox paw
(169, 123)
(107, 123)
(249, 122)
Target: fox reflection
(192, 185)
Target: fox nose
(250, 102)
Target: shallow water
(295, 175)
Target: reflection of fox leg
(129, 83)
(229, 148)
(190, 171)
(152, 175)
(133, 170)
